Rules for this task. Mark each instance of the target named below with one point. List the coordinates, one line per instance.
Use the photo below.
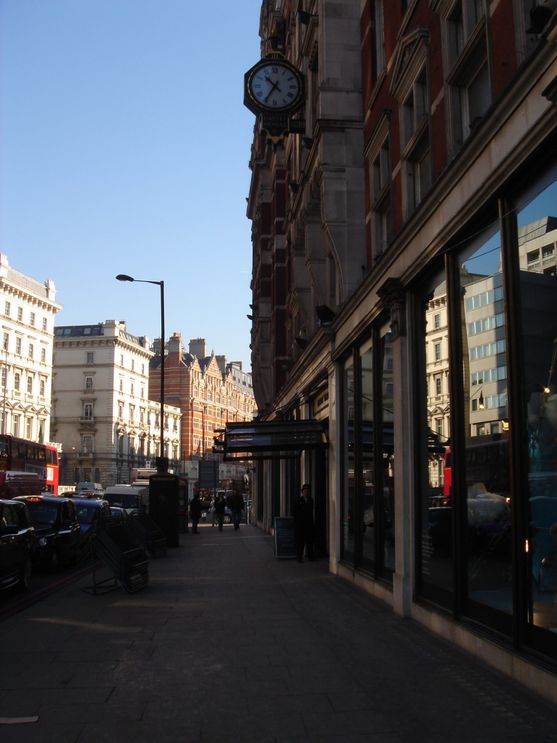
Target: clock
(273, 85)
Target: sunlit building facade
(403, 291)
(28, 311)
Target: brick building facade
(208, 390)
(394, 302)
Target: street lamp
(162, 464)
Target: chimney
(198, 347)
(174, 344)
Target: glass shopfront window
(368, 460)
(348, 501)
(484, 484)
(435, 504)
(368, 495)
(387, 451)
(537, 258)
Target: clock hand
(275, 86)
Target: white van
(132, 498)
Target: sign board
(164, 507)
(285, 542)
(208, 473)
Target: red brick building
(208, 390)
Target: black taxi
(17, 539)
(58, 538)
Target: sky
(124, 148)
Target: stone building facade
(28, 311)
(102, 412)
(406, 195)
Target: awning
(240, 442)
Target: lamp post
(162, 464)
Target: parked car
(90, 512)
(58, 536)
(133, 498)
(90, 488)
(17, 537)
(119, 515)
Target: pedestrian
(236, 506)
(303, 524)
(219, 507)
(195, 513)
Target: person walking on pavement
(236, 506)
(195, 513)
(219, 507)
(303, 524)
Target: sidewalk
(230, 645)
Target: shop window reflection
(486, 456)
(368, 526)
(436, 512)
(537, 240)
(349, 472)
(387, 454)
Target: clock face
(275, 86)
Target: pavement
(228, 644)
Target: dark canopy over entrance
(241, 442)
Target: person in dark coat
(195, 513)
(303, 524)
(236, 506)
(219, 507)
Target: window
(132, 389)
(18, 346)
(121, 384)
(45, 324)
(378, 59)
(6, 341)
(32, 319)
(88, 410)
(28, 428)
(42, 387)
(467, 71)
(20, 314)
(7, 309)
(15, 425)
(90, 357)
(437, 351)
(414, 108)
(43, 355)
(29, 385)
(414, 134)
(88, 383)
(17, 381)
(380, 178)
(120, 410)
(437, 321)
(31, 350)
(86, 444)
(438, 385)
(4, 377)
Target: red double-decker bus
(19, 457)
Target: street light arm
(125, 277)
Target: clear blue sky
(124, 148)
